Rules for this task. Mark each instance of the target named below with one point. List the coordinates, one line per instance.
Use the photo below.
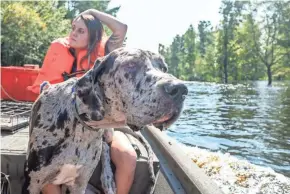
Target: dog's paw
(67, 175)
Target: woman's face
(79, 35)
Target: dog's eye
(163, 69)
(131, 67)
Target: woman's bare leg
(125, 158)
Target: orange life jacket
(59, 60)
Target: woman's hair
(95, 29)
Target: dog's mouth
(166, 121)
(163, 122)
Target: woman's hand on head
(88, 11)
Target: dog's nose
(176, 90)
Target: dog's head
(132, 86)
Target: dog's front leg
(107, 176)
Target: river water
(250, 121)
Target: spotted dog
(128, 87)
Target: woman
(75, 55)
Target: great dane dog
(128, 87)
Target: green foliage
(28, 27)
(282, 69)
(249, 66)
(27, 30)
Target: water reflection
(250, 121)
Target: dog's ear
(89, 91)
(103, 65)
(97, 69)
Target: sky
(151, 22)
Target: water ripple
(250, 121)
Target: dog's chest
(83, 147)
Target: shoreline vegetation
(251, 42)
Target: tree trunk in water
(226, 67)
(236, 74)
(269, 73)
(226, 70)
(226, 57)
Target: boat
(175, 172)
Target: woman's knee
(51, 189)
(122, 151)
